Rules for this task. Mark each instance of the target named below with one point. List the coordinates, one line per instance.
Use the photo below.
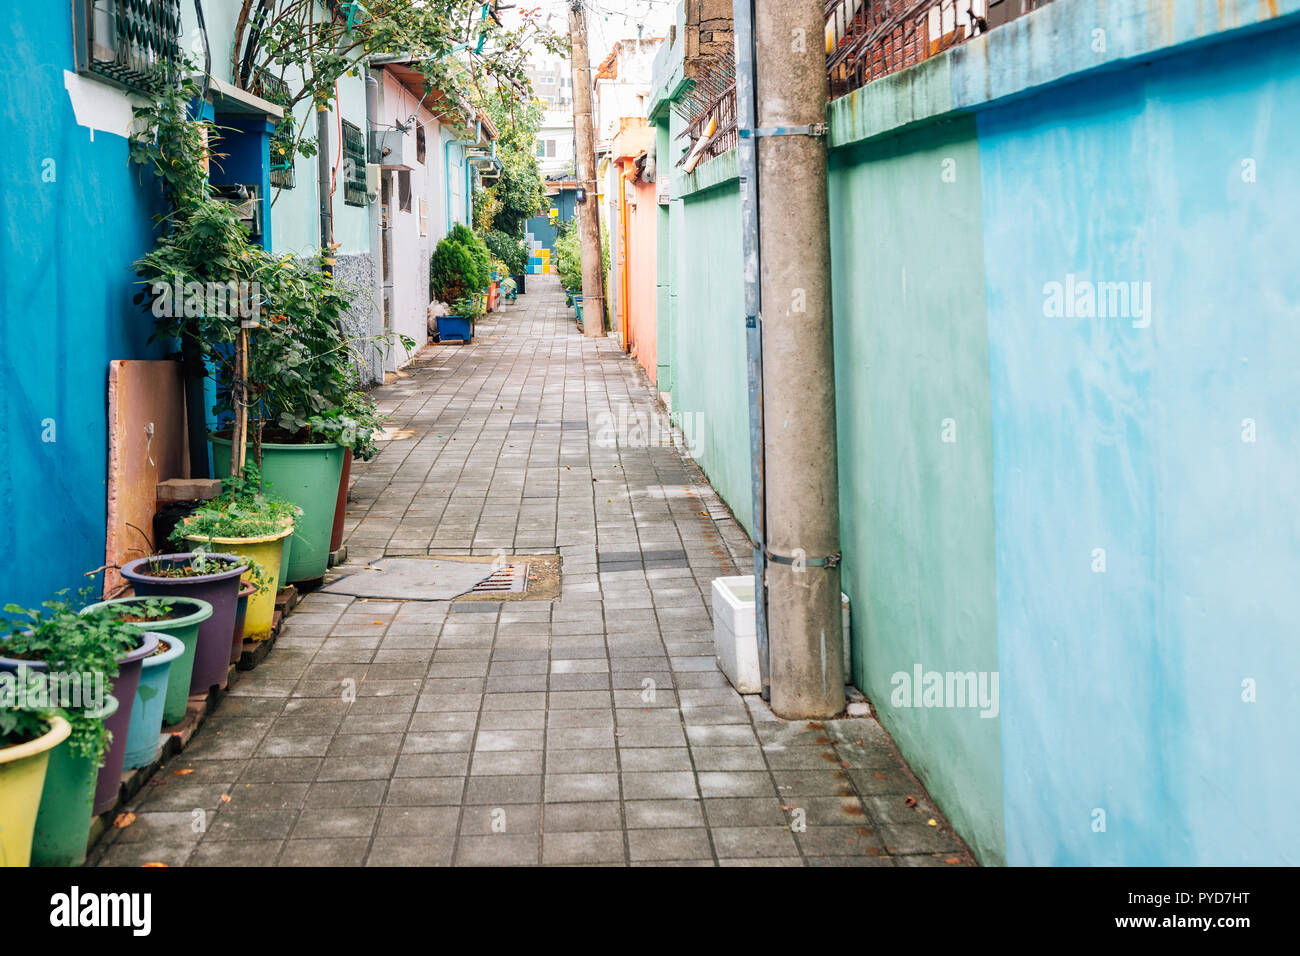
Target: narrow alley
(590, 728)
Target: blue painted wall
(65, 306)
(1122, 690)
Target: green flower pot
(67, 799)
(186, 630)
(307, 475)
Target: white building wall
(413, 234)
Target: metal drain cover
(411, 579)
(512, 579)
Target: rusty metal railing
(865, 40)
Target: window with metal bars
(275, 90)
(134, 43)
(354, 165)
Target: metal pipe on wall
(323, 174)
(743, 18)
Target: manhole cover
(522, 577)
(512, 579)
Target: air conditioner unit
(392, 149)
(247, 200)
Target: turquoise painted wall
(710, 394)
(1155, 690)
(74, 214)
(1122, 690)
(915, 451)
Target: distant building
(552, 81)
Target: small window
(550, 147)
(424, 217)
(404, 190)
(354, 165)
(419, 144)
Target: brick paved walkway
(520, 732)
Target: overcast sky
(607, 20)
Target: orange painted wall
(641, 266)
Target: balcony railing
(868, 39)
(865, 40)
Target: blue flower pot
(455, 328)
(142, 736)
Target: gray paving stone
(520, 732)
(583, 847)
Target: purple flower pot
(221, 590)
(123, 687)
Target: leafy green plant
(452, 271)
(276, 335)
(73, 644)
(18, 725)
(200, 561)
(478, 252)
(519, 192)
(568, 259)
(353, 425)
(141, 609)
(509, 250)
(468, 306)
(242, 510)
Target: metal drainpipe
(743, 14)
(446, 166)
(323, 172)
(376, 232)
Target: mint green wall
(351, 223)
(664, 263)
(911, 350)
(710, 393)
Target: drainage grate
(512, 579)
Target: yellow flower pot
(22, 777)
(266, 551)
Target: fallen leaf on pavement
(183, 773)
(910, 802)
(123, 820)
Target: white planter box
(735, 636)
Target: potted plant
(277, 344)
(251, 524)
(459, 326)
(27, 735)
(68, 799)
(210, 577)
(180, 616)
(145, 728)
(511, 255)
(89, 656)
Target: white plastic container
(735, 635)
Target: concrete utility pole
(803, 515)
(588, 215)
